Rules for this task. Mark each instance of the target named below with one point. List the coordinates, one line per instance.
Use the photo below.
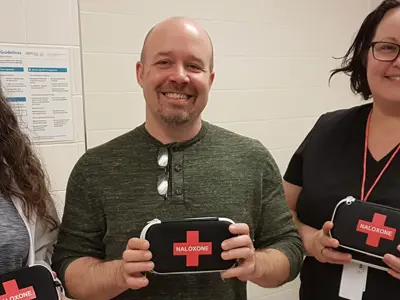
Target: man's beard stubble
(175, 116)
(175, 119)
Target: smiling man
(176, 74)
(174, 166)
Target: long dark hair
(354, 62)
(21, 173)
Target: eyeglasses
(385, 51)
(162, 182)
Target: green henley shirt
(112, 194)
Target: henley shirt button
(178, 167)
(178, 191)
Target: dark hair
(354, 62)
(21, 174)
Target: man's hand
(394, 264)
(240, 248)
(136, 261)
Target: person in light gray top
(28, 218)
(14, 245)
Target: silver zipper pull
(350, 200)
(154, 221)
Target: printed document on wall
(37, 84)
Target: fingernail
(388, 257)
(224, 244)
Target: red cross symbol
(192, 249)
(13, 292)
(376, 230)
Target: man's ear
(212, 77)
(139, 72)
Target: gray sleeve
(276, 228)
(82, 228)
(45, 238)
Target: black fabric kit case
(190, 245)
(33, 282)
(366, 230)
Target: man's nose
(179, 74)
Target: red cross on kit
(192, 248)
(14, 293)
(376, 230)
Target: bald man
(174, 166)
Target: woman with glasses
(352, 152)
(29, 222)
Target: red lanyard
(365, 163)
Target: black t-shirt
(328, 166)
